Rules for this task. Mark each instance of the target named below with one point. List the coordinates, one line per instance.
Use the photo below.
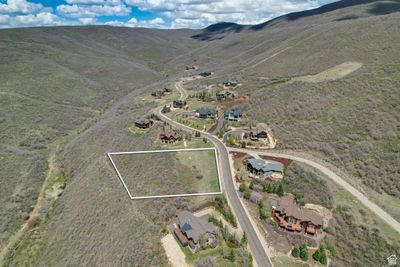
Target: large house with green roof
(229, 82)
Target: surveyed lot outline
(163, 151)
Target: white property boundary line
(160, 151)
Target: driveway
(173, 251)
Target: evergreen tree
(231, 256)
(279, 191)
(295, 251)
(244, 239)
(303, 252)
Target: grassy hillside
(303, 78)
(55, 83)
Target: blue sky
(146, 13)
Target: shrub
(34, 221)
(303, 252)
(296, 251)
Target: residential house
(143, 123)
(225, 94)
(193, 67)
(205, 73)
(170, 137)
(233, 115)
(161, 92)
(179, 103)
(259, 132)
(229, 83)
(206, 113)
(263, 169)
(192, 229)
(292, 218)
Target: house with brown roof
(161, 92)
(143, 123)
(225, 94)
(259, 132)
(291, 217)
(170, 137)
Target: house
(143, 123)
(161, 92)
(193, 67)
(225, 94)
(167, 90)
(170, 137)
(233, 115)
(264, 169)
(206, 113)
(192, 229)
(229, 83)
(179, 103)
(205, 73)
(259, 132)
(295, 219)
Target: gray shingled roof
(206, 111)
(194, 226)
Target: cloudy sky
(145, 13)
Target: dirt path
(34, 213)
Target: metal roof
(265, 166)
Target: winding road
(256, 245)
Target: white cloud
(133, 22)
(200, 13)
(95, 2)
(80, 11)
(40, 19)
(4, 19)
(20, 6)
(87, 21)
(115, 23)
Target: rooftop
(205, 111)
(194, 226)
(288, 205)
(265, 166)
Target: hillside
(326, 84)
(57, 82)
(326, 81)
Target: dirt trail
(34, 213)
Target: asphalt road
(256, 246)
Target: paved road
(360, 196)
(256, 246)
